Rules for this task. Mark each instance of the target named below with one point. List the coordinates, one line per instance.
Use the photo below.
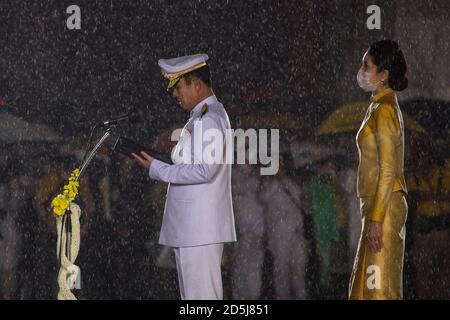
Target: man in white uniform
(198, 216)
(248, 253)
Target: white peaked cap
(174, 68)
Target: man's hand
(375, 236)
(145, 160)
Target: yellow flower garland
(61, 202)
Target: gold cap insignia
(175, 77)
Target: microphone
(121, 118)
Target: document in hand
(127, 147)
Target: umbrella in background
(350, 116)
(265, 120)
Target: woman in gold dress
(378, 267)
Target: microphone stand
(68, 242)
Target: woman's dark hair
(203, 74)
(387, 55)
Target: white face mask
(363, 78)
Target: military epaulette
(204, 110)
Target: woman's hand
(375, 236)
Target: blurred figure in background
(247, 255)
(21, 245)
(320, 165)
(347, 187)
(10, 240)
(130, 227)
(430, 190)
(326, 210)
(282, 199)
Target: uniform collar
(197, 109)
(381, 94)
